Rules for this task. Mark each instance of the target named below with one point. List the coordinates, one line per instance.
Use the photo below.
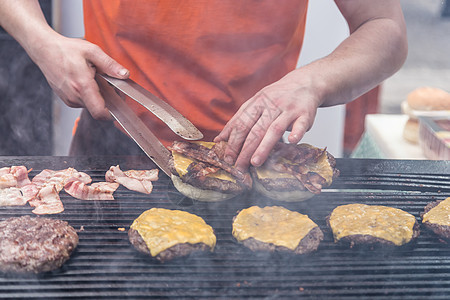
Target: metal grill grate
(105, 265)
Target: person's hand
(70, 66)
(288, 104)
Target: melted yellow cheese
(264, 172)
(272, 224)
(440, 214)
(322, 167)
(384, 222)
(163, 228)
(182, 162)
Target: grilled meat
(372, 225)
(275, 228)
(176, 251)
(35, 244)
(213, 156)
(166, 234)
(199, 172)
(436, 218)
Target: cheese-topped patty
(320, 166)
(294, 172)
(181, 163)
(200, 172)
(274, 225)
(380, 222)
(162, 229)
(436, 216)
(440, 214)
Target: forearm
(25, 22)
(375, 49)
(361, 62)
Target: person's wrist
(311, 85)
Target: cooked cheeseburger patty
(436, 216)
(35, 244)
(295, 172)
(275, 228)
(360, 224)
(200, 172)
(167, 234)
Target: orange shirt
(204, 57)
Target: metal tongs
(113, 90)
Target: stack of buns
(423, 101)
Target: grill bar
(106, 266)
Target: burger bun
(411, 131)
(428, 99)
(199, 194)
(287, 196)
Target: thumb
(106, 65)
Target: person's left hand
(288, 104)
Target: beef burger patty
(371, 225)
(436, 218)
(200, 172)
(166, 234)
(275, 228)
(294, 172)
(35, 244)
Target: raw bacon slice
(21, 175)
(151, 175)
(60, 178)
(57, 178)
(43, 192)
(11, 197)
(135, 180)
(11, 180)
(15, 176)
(96, 191)
(5, 170)
(7, 180)
(47, 201)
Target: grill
(105, 265)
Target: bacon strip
(47, 201)
(43, 192)
(96, 191)
(7, 181)
(11, 180)
(135, 180)
(151, 175)
(294, 159)
(15, 176)
(21, 175)
(213, 156)
(11, 197)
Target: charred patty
(360, 224)
(436, 217)
(35, 244)
(199, 172)
(275, 228)
(295, 172)
(166, 234)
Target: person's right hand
(69, 66)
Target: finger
(94, 102)
(261, 130)
(300, 127)
(265, 139)
(241, 126)
(105, 64)
(227, 130)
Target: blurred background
(34, 122)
